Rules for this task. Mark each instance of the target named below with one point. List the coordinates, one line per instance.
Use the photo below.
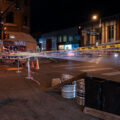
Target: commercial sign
(61, 47)
(20, 43)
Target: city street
(59, 60)
(22, 99)
(103, 67)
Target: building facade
(16, 25)
(106, 31)
(60, 40)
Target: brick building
(17, 24)
(105, 32)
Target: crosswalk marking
(96, 69)
(112, 73)
(80, 67)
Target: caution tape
(107, 47)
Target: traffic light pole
(3, 14)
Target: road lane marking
(68, 65)
(112, 73)
(97, 69)
(80, 67)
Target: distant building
(88, 34)
(17, 25)
(60, 40)
(105, 32)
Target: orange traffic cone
(37, 65)
(27, 64)
(32, 65)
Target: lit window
(60, 39)
(110, 30)
(64, 38)
(70, 38)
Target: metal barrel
(69, 91)
(80, 92)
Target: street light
(96, 18)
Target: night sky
(50, 15)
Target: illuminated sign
(20, 43)
(61, 47)
(12, 36)
(68, 47)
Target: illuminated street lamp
(95, 17)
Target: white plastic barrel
(69, 91)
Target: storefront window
(68, 47)
(61, 47)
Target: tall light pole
(95, 17)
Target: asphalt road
(106, 67)
(108, 60)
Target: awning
(30, 42)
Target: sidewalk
(22, 99)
